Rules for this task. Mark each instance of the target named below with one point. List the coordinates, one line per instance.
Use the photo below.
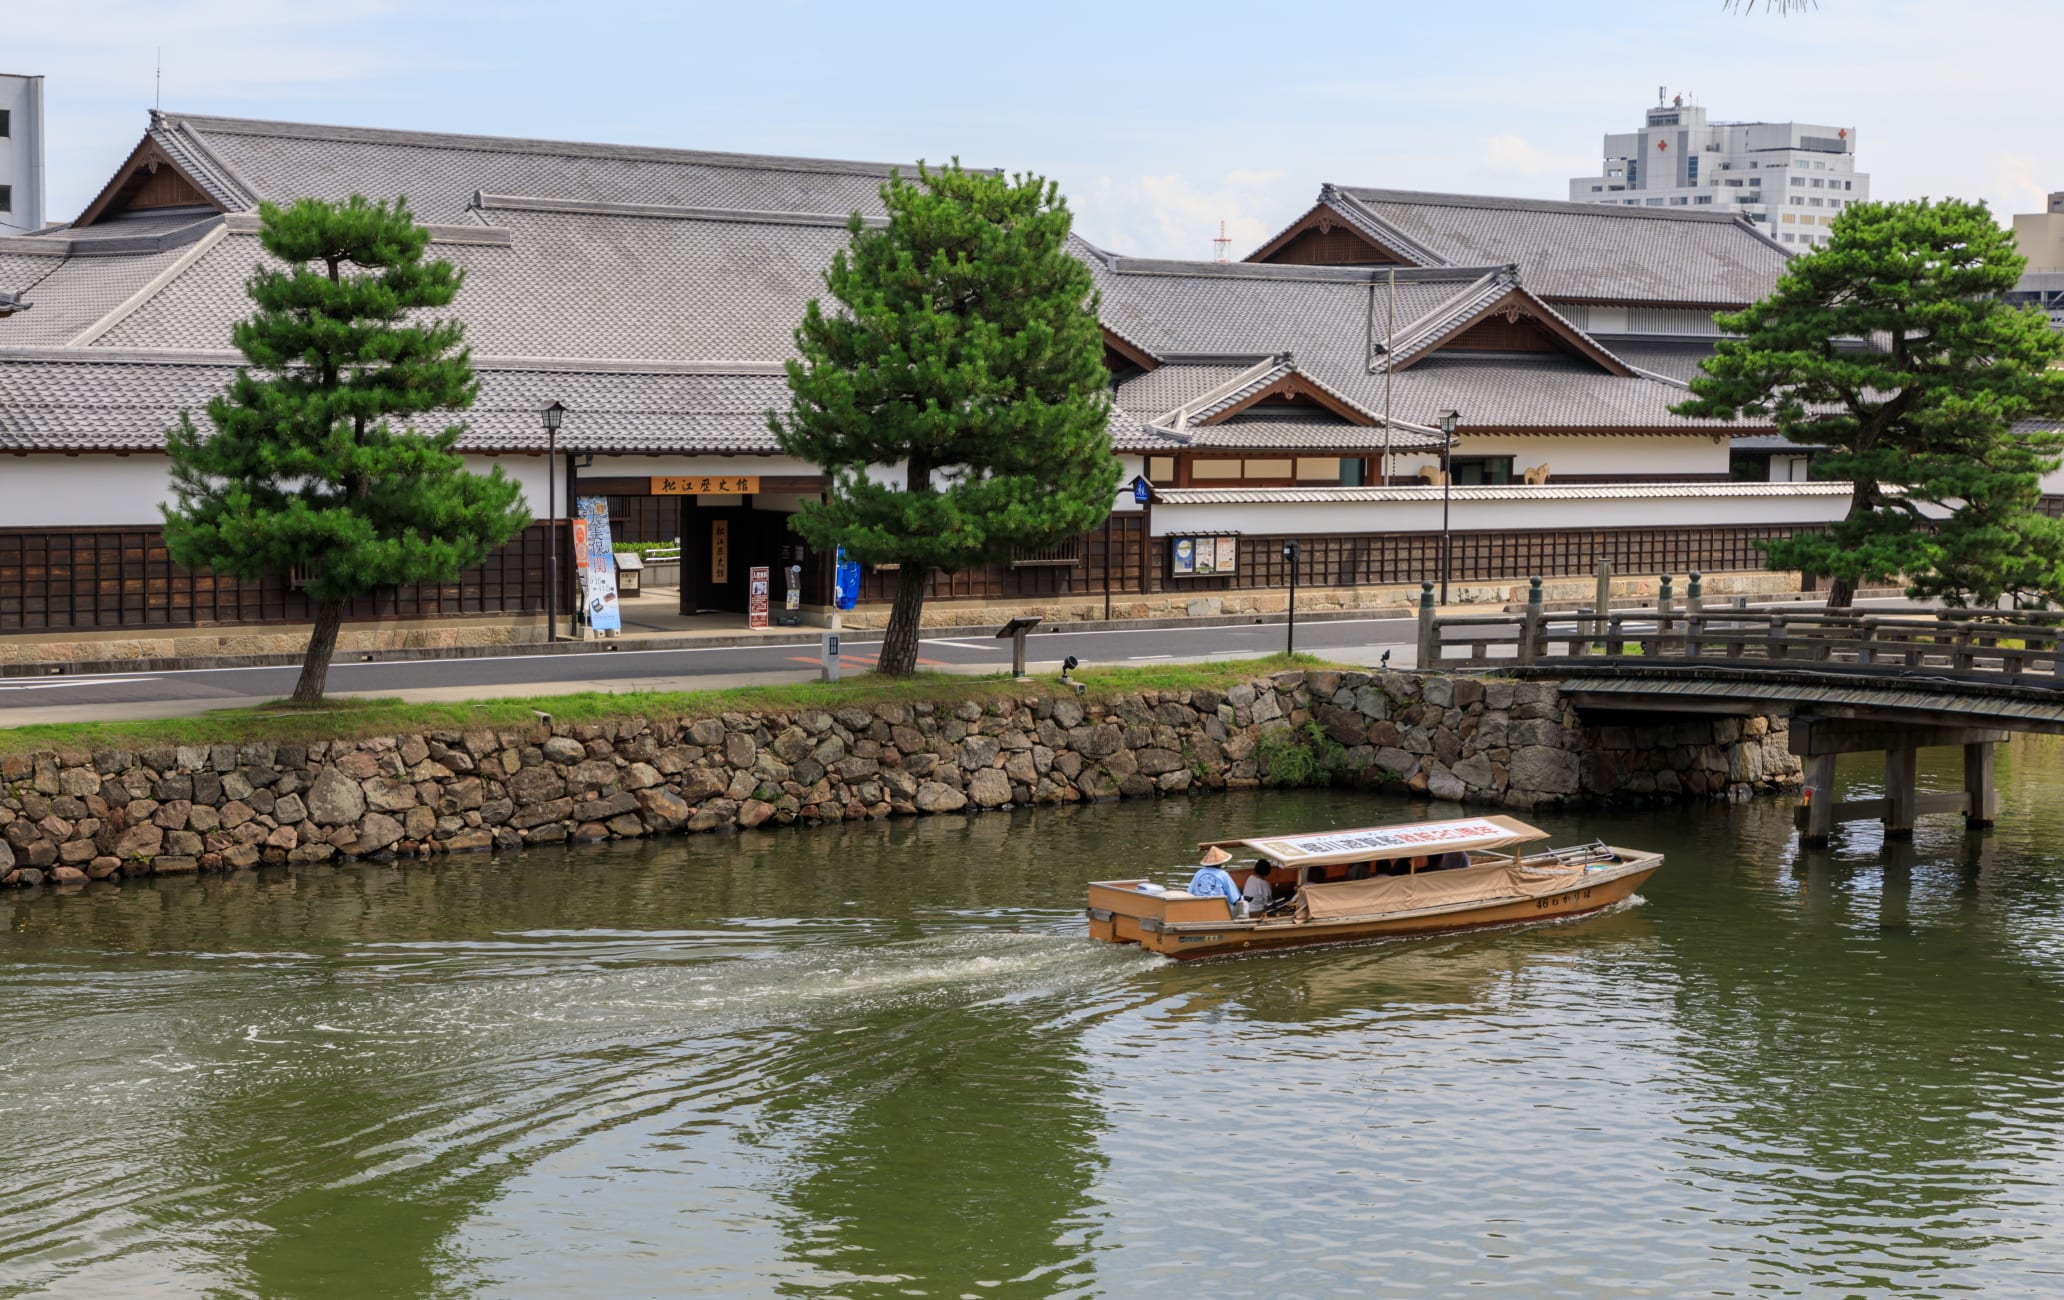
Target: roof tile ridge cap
(484, 201)
(72, 354)
(1513, 203)
(1445, 310)
(1377, 228)
(717, 368)
(233, 185)
(156, 285)
(284, 129)
(1266, 368)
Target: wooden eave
(1323, 217)
(1516, 304)
(143, 162)
(1132, 352)
(1294, 385)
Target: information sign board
(756, 597)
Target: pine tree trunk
(1841, 593)
(322, 643)
(899, 644)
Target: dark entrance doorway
(720, 545)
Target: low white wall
(48, 491)
(1494, 516)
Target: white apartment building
(21, 154)
(1791, 178)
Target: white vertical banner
(599, 602)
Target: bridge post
(1900, 768)
(1981, 797)
(1695, 593)
(1604, 605)
(1530, 624)
(1664, 599)
(1817, 812)
(1429, 635)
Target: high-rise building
(2040, 235)
(21, 154)
(1791, 178)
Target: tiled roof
(240, 160)
(78, 291)
(63, 401)
(1579, 251)
(1675, 361)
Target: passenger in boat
(1213, 881)
(1451, 861)
(1258, 892)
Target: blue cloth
(1214, 882)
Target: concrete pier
(1818, 741)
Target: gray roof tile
(1582, 251)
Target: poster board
(1203, 557)
(599, 601)
(1184, 553)
(756, 598)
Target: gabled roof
(238, 161)
(1576, 252)
(1496, 295)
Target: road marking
(57, 683)
(1137, 658)
(960, 645)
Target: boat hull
(1191, 937)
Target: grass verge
(352, 719)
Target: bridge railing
(1998, 645)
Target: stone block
(336, 799)
(935, 797)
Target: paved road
(169, 694)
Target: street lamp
(1448, 420)
(553, 415)
(1290, 554)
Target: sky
(1160, 121)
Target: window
(1848, 185)
(1789, 218)
(1596, 188)
(5, 119)
(1654, 203)
(1680, 200)
(6, 198)
(1798, 202)
(1705, 198)
(1815, 202)
(1789, 238)
(1691, 169)
(1478, 471)
(1798, 180)
(1633, 173)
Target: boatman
(1212, 880)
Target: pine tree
(964, 352)
(1891, 346)
(305, 471)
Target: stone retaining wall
(69, 817)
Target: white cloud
(1509, 155)
(1176, 216)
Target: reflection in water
(880, 1060)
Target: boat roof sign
(1323, 847)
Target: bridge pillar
(1981, 796)
(1817, 811)
(1900, 768)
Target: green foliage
(962, 343)
(305, 470)
(1299, 756)
(642, 549)
(1891, 345)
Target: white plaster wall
(40, 491)
(81, 491)
(1499, 516)
(1662, 458)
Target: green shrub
(1300, 756)
(642, 549)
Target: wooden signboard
(756, 600)
(698, 485)
(720, 550)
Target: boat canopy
(1323, 848)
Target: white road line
(960, 645)
(58, 683)
(1137, 658)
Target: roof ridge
(201, 123)
(1505, 203)
(121, 311)
(1290, 272)
(664, 211)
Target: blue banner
(599, 599)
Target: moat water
(882, 1060)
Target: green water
(881, 1060)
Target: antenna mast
(1223, 244)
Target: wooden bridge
(1853, 681)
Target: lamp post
(1290, 554)
(1448, 421)
(553, 415)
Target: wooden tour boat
(1380, 881)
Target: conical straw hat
(1215, 855)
